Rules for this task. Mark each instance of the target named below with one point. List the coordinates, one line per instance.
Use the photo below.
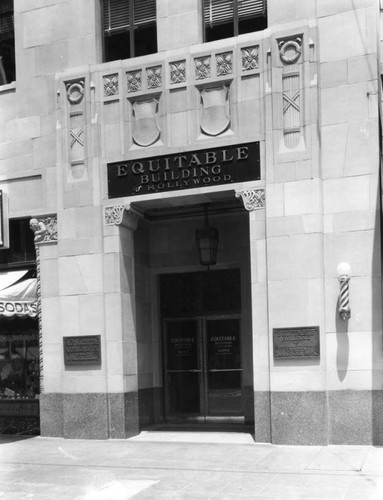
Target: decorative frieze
(154, 77)
(224, 63)
(250, 58)
(134, 79)
(178, 71)
(111, 86)
(202, 67)
(252, 199)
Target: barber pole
(344, 303)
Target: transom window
(129, 28)
(7, 42)
(226, 18)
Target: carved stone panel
(75, 91)
(290, 52)
(154, 77)
(224, 63)
(178, 71)
(202, 67)
(134, 79)
(111, 85)
(250, 58)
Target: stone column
(120, 320)
(254, 201)
(50, 347)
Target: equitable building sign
(193, 169)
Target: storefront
(19, 354)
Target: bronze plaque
(82, 350)
(296, 343)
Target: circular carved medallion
(75, 92)
(290, 50)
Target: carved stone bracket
(252, 199)
(122, 215)
(45, 229)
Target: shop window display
(19, 366)
(19, 378)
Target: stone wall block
(91, 314)
(346, 194)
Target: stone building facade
(126, 134)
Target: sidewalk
(182, 465)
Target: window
(21, 252)
(226, 18)
(7, 42)
(129, 28)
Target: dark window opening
(130, 28)
(21, 251)
(227, 18)
(7, 43)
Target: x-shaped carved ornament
(291, 101)
(77, 137)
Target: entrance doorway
(202, 358)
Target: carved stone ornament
(215, 119)
(178, 71)
(154, 76)
(249, 58)
(252, 199)
(145, 127)
(45, 229)
(202, 67)
(290, 50)
(224, 63)
(113, 215)
(122, 215)
(134, 81)
(77, 136)
(110, 85)
(75, 91)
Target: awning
(18, 295)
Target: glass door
(183, 372)
(203, 374)
(223, 366)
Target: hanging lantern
(207, 243)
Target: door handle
(213, 370)
(184, 371)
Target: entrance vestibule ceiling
(190, 205)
